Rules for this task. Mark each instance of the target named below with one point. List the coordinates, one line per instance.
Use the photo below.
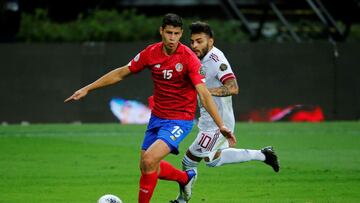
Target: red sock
(168, 172)
(147, 186)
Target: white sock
(187, 163)
(232, 155)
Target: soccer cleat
(178, 201)
(186, 189)
(271, 158)
(179, 198)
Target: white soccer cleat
(187, 188)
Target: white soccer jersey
(217, 70)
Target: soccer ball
(109, 198)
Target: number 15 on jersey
(167, 74)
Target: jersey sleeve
(139, 62)
(224, 71)
(195, 72)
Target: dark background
(35, 78)
(38, 77)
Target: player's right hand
(77, 95)
(228, 135)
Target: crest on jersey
(202, 71)
(178, 67)
(223, 67)
(137, 57)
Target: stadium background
(36, 77)
(315, 64)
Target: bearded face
(201, 44)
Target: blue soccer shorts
(172, 132)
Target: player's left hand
(228, 135)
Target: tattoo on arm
(229, 88)
(221, 91)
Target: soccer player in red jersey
(175, 71)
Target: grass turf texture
(79, 163)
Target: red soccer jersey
(174, 77)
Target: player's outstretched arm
(210, 106)
(110, 78)
(229, 88)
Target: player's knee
(147, 163)
(213, 163)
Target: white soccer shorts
(207, 143)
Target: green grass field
(79, 163)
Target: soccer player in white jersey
(210, 144)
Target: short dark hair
(201, 27)
(172, 19)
